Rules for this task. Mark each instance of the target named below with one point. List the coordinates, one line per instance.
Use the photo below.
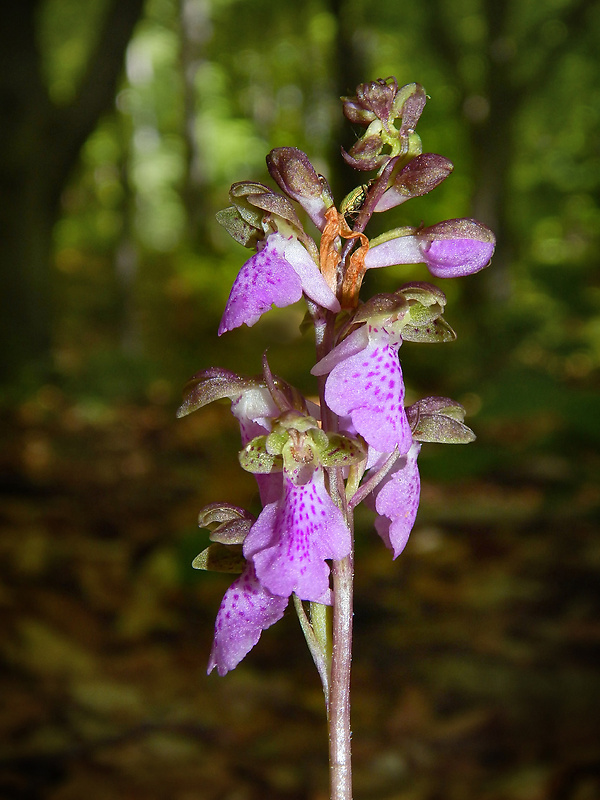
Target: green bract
(228, 524)
(221, 558)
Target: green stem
(315, 630)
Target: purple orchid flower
(285, 550)
(291, 539)
(396, 499)
(277, 274)
(365, 383)
(247, 609)
(450, 249)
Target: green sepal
(276, 441)
(428, 330)
(380, 308)
(239, 194)
(256, 458)
(319, 438)
(238, 228)
(228, 524)
(439, 419)
(292, 420)
(341, 451)
(443, 430)
(253, 204)
(212, 384)
(424, 321)
(438, 405)
(221, 558)
(276, 204)
(414, 312)
(423, 292)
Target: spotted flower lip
(292, 538)
(365, 384)
(450, 249)
(277, 274)
(247, 609)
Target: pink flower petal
(254, 409)
(455, 258)
(247, 609)
(451, 249)
(291, 539)
(397, 498)
(313, 283)
(276, 275)
(401, 250)
(265, 279)
(350, 346)
(369, 388)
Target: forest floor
(476, 670)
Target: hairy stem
(340, 764)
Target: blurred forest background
(123, 123)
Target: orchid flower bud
(450, 249)
(422, 174)
(294, 173)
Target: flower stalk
(315, 463)
(340, 753)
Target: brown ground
(477, 651)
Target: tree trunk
(39, 146)
(25, 300)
